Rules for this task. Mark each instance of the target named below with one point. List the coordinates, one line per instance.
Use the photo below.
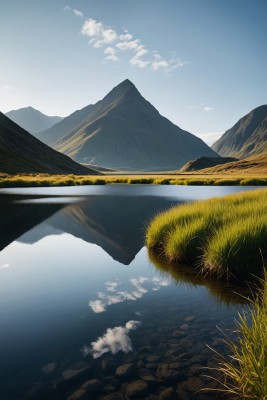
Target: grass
(24, 180)
(244, 371)
(224, 237)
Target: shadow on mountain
(115, 223)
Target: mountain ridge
(32, 120)
(247, 137)
(124, 131)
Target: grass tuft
(226, 237)
(244, 371)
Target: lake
(84, 312)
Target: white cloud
(101, 35)
(92, 28)
(111, 286)
(76, 12)
(139, 63)
(114, 340)
(208, 108)
(111, 55)
(5, 266)
(97, 306)
(128, 45)
(159, 64)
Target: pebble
(136, 389)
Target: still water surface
(85, 314)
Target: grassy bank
(244, 371)
(225, 237)
(156, 179)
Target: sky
(201, 63)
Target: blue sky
(201, 63)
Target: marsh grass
(22, 180)
(243, 373)
(226, 237)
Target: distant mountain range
(20, 152)
(247, 137)
(32, 120)
(124, 132)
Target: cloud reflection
(114, 340)
(118, 296)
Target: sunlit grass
(23, 180)
(244, 371)
(226, 237)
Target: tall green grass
(244, 371)
(226, 237)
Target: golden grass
(22, 180)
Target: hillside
(205, 162)
(32, 120)
(20, 152)
(125, 132)
(256, 165)
(247, 137)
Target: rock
(108, 389)
(175, 365)
(136, 389)
(167, 374)
(167, 394)
(78, 395)
(92, 386)
(152, 359)
(184, 327)
(47, 369)
(193, 384)
(152, 381)
(75, 371)
(125, 371)
(144, 371)
(140, 364)
(113, 396)
(151, 366)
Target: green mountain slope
(20, 152)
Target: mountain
(32, 120)
(247, 137)
(205, 162)
(124, 132)
(256, 165)
(20, 152)
(102, 220)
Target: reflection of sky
(114, 340)
(120, 294)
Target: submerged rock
(136, 389)
(92, 386)
(79, 394)
(126, 371)
(47, 369)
